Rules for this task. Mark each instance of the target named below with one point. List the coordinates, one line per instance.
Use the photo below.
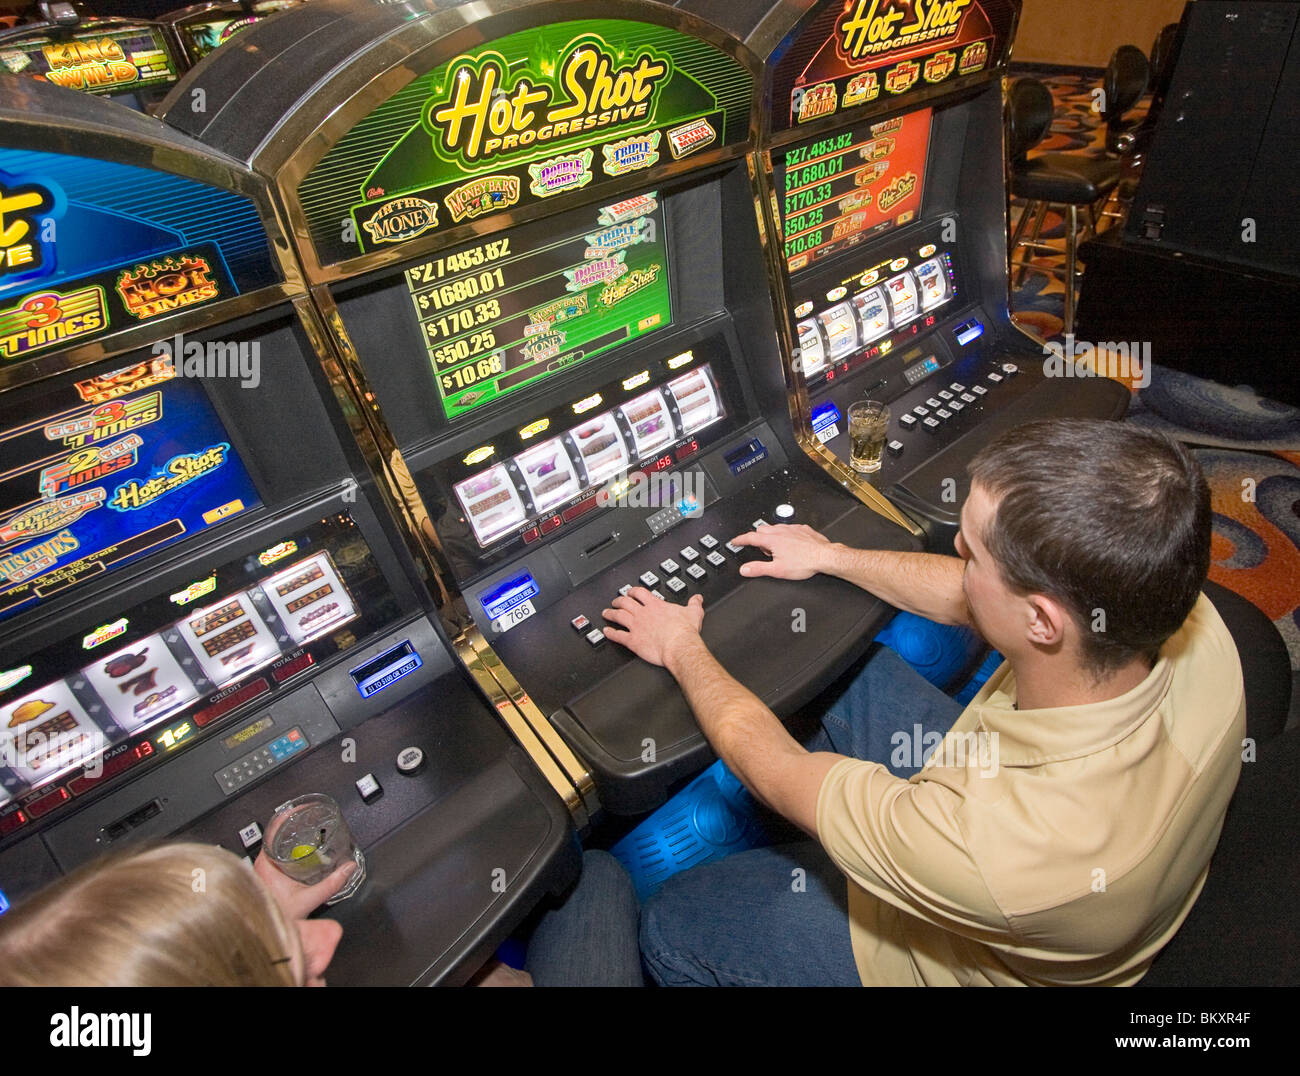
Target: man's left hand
(652, 628)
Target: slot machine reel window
(510, 312)
(839, 190)
(155, 679)
(555, 476)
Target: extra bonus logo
(483, 113)
(872, 27)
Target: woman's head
(171, 915)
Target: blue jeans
(779, 916)
(590, 939)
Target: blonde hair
(170, 915)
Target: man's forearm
(926, 584)
(748, 737)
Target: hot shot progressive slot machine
(881, 180)
(535, 245)
(204, 611)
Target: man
(1064, 827)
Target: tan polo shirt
(1064, 845)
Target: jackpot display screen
(106, 469)
(504, 314)
(838, 190)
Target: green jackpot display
(496, 317)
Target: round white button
(784, 511)
(410, 760)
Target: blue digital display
(825, 416)
(108, 469)
(502, 598)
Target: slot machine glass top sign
(131, 62)
(533, 116)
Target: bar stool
(1068, 180)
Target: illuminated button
(996, 378)
(624, 589)
(957, 405)
(369, 788)
(658, 595)
(895, 448)
(580, 623)
(649, 579)
(689, 554)
(785, 511)
(957, 388)
(980, 390)
(675, 585)
(709, 542)
(944, 414)
(595, 636)
(410, 761)
(1010, 369)
(932, 402)
(921, 412)
(968, 397)
(908, 422)
(944, 394)
(733, 547)
(670, 566)
(696, 572)
(716, 559)
(250, 835)
(932, 424)
(759, 523)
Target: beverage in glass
(308, 839)
(868, 429)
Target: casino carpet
(1249, 446)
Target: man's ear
(1048, 620)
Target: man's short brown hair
(1112, 519)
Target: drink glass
(308, 839)
(868, 428)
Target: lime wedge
(302, 851)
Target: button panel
(251, 766)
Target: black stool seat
(1242, 929)
(1065, 178)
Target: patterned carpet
(1248, 445)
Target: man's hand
(653, 629)
(797, 551)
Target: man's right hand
(797, 551)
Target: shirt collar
(1055, 734)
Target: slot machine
(200, 28)
(883, 188)
(530, 230)
(205, 610)
(131, 61)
